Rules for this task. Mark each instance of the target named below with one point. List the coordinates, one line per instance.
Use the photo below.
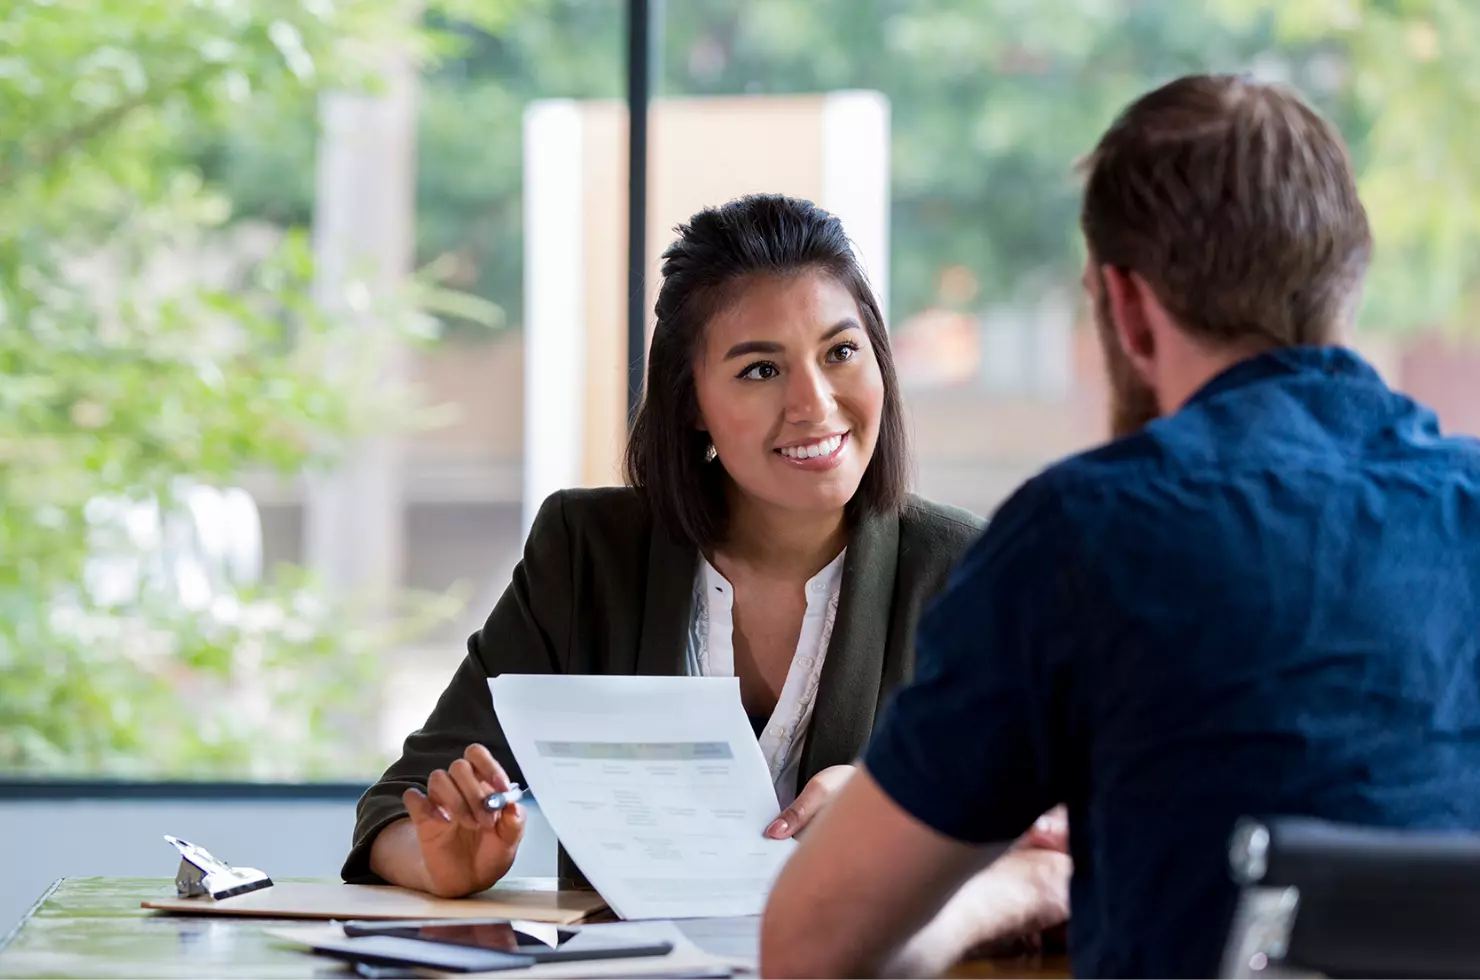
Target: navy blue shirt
(1265, 604)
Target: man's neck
(1193, 365)
(780, 542)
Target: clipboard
(512, 899)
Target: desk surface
(93, 927)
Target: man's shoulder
(1166, 451)
(1048, 520)
(1094, 476)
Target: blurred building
(974, 446)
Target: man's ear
(1127, 297)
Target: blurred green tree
(1402, 80)
(144, 353)
(136, 132)
(992, 103)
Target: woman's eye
(761, 371)
(843, 352)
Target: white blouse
(711, 653)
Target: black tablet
(506, 938)
(397, 951)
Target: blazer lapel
(852, 674)
(663, 643)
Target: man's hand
(818, 792)
(464, 847)
(872, 890)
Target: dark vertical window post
(642, 19)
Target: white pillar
(554, 302)
(855, 179)
(363, 235)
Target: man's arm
(966, 754)
(872, 890)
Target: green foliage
(992, 103)
(1403, 82)
(136, 132)
(131, 356)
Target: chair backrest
(1348, 901)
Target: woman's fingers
(444, 792)
(421, 809)
(473, 790)
(1050, 831)
(487, 767)
(510, 824)
(456, 794)
(820, 789)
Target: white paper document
(655, 786)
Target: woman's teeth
(826, 447)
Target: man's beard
(1132, 402)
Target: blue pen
(495, 802)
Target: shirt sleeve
(968, 747)
(527, 633)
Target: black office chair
(1345, 901)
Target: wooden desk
(93, 927)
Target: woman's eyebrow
(771, 347)
(753, 347)
(847, 323)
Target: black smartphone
(502, 936)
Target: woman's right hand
(464, 847)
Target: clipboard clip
(202, 874)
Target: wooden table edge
(15, 930)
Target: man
(1262, 600)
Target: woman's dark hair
(753, 236)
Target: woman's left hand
(1006, 905)
(1049, 832)
(1021, 893)
(820, 789)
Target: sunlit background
(274, 392)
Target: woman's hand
(1050, 831)
(1029, 893)
(1011, 901)
(820, 789)
(464, 847)
(1014, 899)
(1026, 890)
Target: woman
(767, 535)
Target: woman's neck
(780, 542)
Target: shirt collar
(1337, 362)
(826, 582)
(820, 587)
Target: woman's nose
(809, 397)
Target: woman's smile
(818, 454)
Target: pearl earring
(711, 454)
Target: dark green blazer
(601, 590)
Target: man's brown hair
(1236, 202)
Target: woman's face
(790, 391)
